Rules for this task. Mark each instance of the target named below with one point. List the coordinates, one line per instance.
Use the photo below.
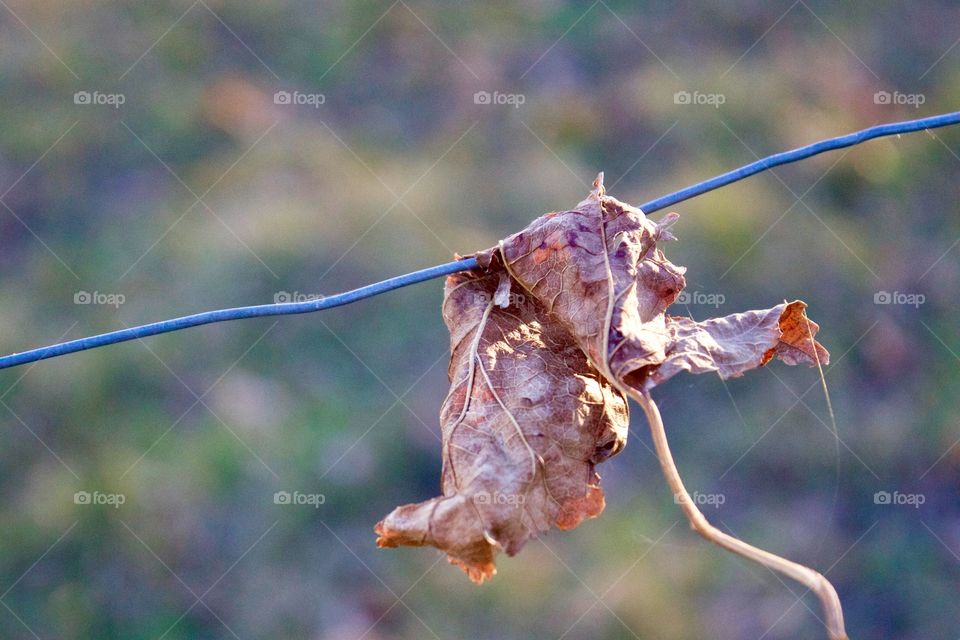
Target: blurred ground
(149, 168)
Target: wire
(260, 311)
(894, 128)
(237, 313)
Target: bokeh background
(201, 190)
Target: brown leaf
(526, 420)
(562, 321)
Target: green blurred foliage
(200, 192)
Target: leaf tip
(478, 573)
(797, 343)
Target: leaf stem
(811, 579)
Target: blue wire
(786, 157)
(237, 313)
(260, 311)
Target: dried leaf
(560, 323)
(526, 421)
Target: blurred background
(159, 159)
